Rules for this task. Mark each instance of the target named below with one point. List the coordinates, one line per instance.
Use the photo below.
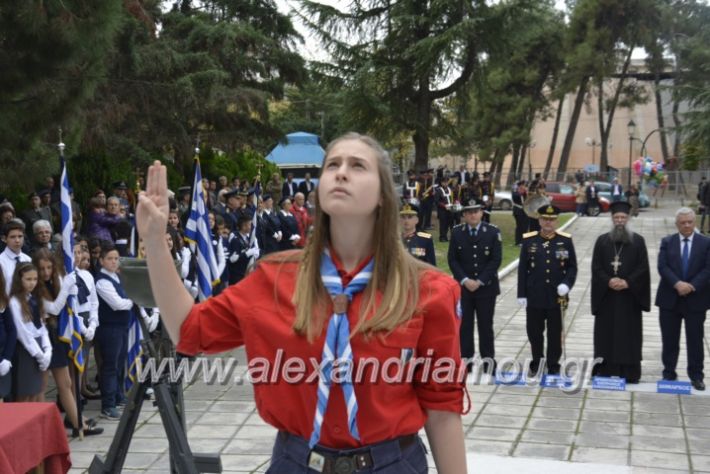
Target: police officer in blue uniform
(475, 253)
(546, 273)
(419, 244)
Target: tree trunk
(603, 159)
(522, 162)
(659, 116)
(421, 132)
(515, 159)
(569, 138)
(612, 109)
(555, 132)
(497, 167)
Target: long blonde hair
(395, 275)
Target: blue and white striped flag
(252, 237)
(69, 320)
(197, 233)
(134, 350)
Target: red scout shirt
(258, 313)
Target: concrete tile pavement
(509, 428)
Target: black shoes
(698, 384)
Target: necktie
(472, 231)
(36, 317)
(337, 343)
(684, 258)
(17, 259)
(83, 293)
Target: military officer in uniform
(475, 253)
(419, 244)
(546, 273)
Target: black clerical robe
(618, 327)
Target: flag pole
(75, 372)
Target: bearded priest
(621, 291)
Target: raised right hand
(152, 211)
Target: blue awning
(300, 150)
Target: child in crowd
(34, 351)
(112, 333)
(8, 339)
(57, 288)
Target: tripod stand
(169, 400)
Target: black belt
(356, 460)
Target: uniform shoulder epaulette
(424, 234)
(564, 234)
(459, 225)
(530, 234)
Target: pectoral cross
(616, 264)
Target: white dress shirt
(55, 307)
(27, 332)
(8, 263)
(108, 293)
(92, 303)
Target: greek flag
(135, 351)
(197, 233)
(69, 322)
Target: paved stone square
(509, 428)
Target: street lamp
(631, 127)
(592, 142)
(531, 145)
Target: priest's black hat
(620, 206)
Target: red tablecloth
(29, 434)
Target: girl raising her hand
(354, 294)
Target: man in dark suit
(475, 253)
(289, 188)
(463, 175)
(617, 191)
(546, 273)
(306, 186)
(684, 294)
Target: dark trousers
(444, 223)
(535, 326)
(425, 217)
(112, 342)
(670, 334)
(291, 455)
(521, 225)
(487, 214)
(480, 309)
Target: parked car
(563, 196)
(503, 200)
(604, 190)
